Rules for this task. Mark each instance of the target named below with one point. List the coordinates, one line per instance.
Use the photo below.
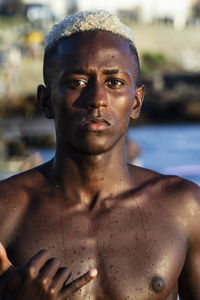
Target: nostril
(93, 105)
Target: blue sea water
(169, 149)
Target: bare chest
(139, 254)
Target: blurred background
(165, 138)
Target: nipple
(157, 284)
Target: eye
(76, 83)
(115, 83)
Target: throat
(87, 182)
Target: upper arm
(12, 207)
(189, 282)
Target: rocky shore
(172, 97)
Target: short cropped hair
(86, 21)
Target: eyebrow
(115, 71)
(79, 71)
(110, 71)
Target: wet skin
(87, 207)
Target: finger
(78, 283)
(62, 276)
(4, 261)
(47, 272)
(11, 278)
(33, 266)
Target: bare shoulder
(178, 196)
(170, 185)
(15, 195)
(23, 182)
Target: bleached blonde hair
(88, 21)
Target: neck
(86, 177)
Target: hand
(40, 278)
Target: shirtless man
(87, 207)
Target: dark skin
(87, 207)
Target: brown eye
(115, 83)
(76, 83)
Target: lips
(95, 123)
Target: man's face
(93, 91)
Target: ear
(137, 103)
(44, 100)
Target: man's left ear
(137, 103)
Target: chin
(93, 148)
(91, 151)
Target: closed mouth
(95, 120)
(95, 124)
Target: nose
(97, 97)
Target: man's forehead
(91, 42)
